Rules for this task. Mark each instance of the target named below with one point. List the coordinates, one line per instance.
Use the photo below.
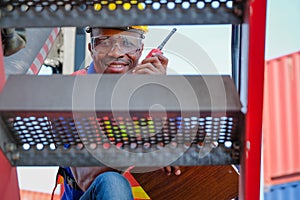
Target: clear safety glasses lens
(124, 43)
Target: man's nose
(116, 51)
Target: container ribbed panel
(281, 129)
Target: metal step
(49, 13)
(121, 120)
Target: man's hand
(169, 170)
(157, 64)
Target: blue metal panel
(79, 49)
(286, 191)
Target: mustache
(118, 60)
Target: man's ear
(89, 47)
(141, 50)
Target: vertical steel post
(254, 28)
(236, 54)
(9, 188)
(2, 70)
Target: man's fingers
(148, 68)
(172, 170)
(168, 170)
(177, 171)
(143, 71)
(158, 60)
(163, 60)
(157, 64)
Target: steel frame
(252, 76)
(9, 181)
(253, 34)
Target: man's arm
(156, 64)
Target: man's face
(115, 51)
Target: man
(114, 51)
(118, 50)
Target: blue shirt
(70, 193)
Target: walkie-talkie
(159, 48)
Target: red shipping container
(281, 120)
(34, 195)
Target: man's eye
(102, 42)
(105, 42)
(128, 43)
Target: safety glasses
(126, 44)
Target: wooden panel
(201, 182)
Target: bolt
(214, 144)
(15, 156)
(236, 145)
(10, 147)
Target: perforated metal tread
(50, 13)
(139, 134)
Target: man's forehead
(112, 31)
